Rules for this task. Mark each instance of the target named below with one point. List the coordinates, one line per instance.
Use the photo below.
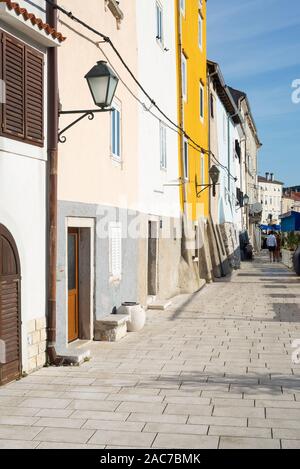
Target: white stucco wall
(226, 144)
(23, 202)
(157, 71)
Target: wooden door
(73, 284)
(10, 309)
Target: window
(163, 145)
(184, 76)
(159, 23)
(212, 106)
(115, 250)
(185, 159)
(116, 131)
(201, 103)
(182, 6)
(22, 114)
(202, 169)
(225, 129)
(200, 31)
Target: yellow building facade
(192, 106)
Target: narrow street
(214, 371)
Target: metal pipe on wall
(52, 153)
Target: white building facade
(158, 151)
(270, 193)
(23, 186)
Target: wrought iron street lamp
(214, 174)
(102, 82)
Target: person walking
(271, 245)
(278, 247)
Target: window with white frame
(163, 145)
(202, 169)
(184, 76)
(182, 6)
(200, 31)
(116, 131)
(159, 23)
(115, 250)
(185, 159)
(201, 101)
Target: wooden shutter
(23, 74)
(10, 321)
(115, 235)
(13, 76)
(34, 95)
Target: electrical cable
(107, 40)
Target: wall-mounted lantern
(102, 82)
(214, 174)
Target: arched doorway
(10, 308)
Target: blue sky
(257, 44)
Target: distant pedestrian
(272, 244)
(278, 247)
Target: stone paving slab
(213, 371)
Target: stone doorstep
(160, 305)
(70, 356)
(76, 353)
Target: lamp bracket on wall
(90, 114)
(202, 187)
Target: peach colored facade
(97, 187)
(96, 176)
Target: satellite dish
(257, 207)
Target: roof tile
(35, 21)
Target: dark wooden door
(10, 309)
(73, 285)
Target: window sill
(115, 280)
(117, 160)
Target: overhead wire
(180, 131)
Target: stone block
(40, 324)
(33, 351)
(43, 335)
(31, 326)
(41, 360)
(42, 347)
(32, 364)
(112, 328)
(35, 338)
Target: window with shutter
(34, 96)
(115, 239)
(23, 74)
(13, 76)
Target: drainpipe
(52, 186)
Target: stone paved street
(214, 371)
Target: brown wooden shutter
(34, 93)
(13, 76)
(10, 318)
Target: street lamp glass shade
(246, 200)
(214, 174)
(102, 82)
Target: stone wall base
(36, 340)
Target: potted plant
(290, 243)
